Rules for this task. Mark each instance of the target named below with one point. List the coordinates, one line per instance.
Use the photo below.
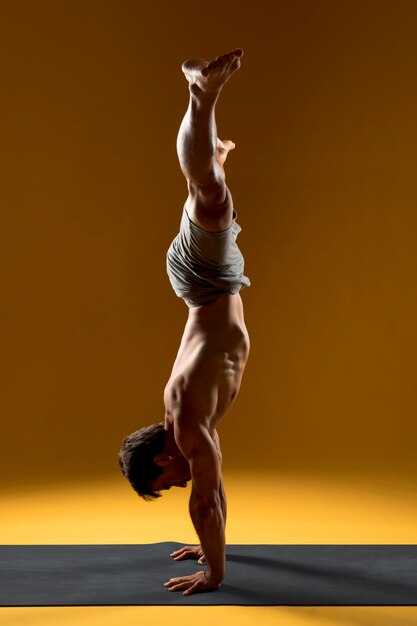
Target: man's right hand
(189, 552)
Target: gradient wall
(323, 112)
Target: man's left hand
(196, 583)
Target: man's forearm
(223, 501)
(208, 520)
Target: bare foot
(223, 147)
(208, 78)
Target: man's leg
(201, 154)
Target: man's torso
(207, 372)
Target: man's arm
(205, 501)
(221, 488)
(223, 501)
(196, 552)
(206, 512)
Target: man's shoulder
(188, 401)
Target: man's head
(151, 461)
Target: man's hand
(195, 583)
(189, 552)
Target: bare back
(207, 372)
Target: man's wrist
(215, 578)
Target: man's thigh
(211, 211)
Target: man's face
(176, 474)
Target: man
(205, 268)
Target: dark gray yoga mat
(288, 575)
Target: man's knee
(212, 211)
(210, 191)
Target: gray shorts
(203, 266)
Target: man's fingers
(181, 552)
(190, 590)
(179, 585)
(190, 584)
(177, 556)
(174, 581)
(177, 552)
(186, 553)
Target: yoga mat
(287, 575)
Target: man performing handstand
(205, 267)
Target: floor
(262, 508)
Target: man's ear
(163, 459)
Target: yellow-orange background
(323, 112)
(324, 183)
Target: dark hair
(136, 458)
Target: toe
(211, 66)
(228, 57)
(233, 61)
(224, 59)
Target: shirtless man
(205, 267)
